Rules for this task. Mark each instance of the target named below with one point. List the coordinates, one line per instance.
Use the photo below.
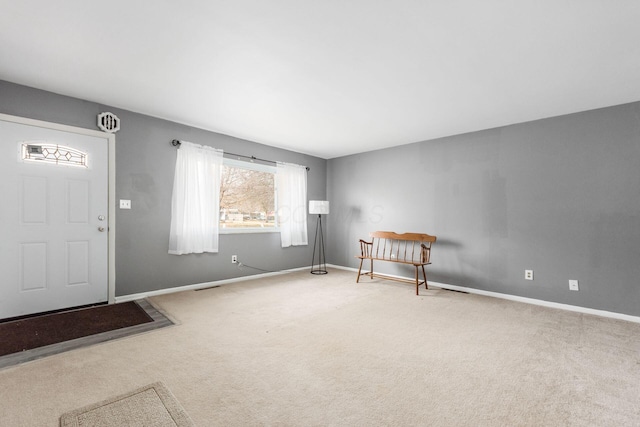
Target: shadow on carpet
(31, 338)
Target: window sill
(248, 230)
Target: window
(53, 153)
(247, 197)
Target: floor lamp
(318, 207)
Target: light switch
(125, 204)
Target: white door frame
(111, 138)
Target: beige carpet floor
(305, 350)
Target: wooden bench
(408, 248)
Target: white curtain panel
(195, 206)
(291, 184)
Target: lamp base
(319, 271)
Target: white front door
(54, 222)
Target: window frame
(259, 167)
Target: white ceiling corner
(330, 78)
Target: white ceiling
(329, 77)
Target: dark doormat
(35, 337)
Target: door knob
(101, 229)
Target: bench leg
(424, 275)
(359, 269)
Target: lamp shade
(318, 207)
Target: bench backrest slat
(393, 246)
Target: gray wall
(145, 162)
(560, 196)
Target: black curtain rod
(176, 142)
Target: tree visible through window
(247, 196)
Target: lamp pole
(322, 265)
(319, 207)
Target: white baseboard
(205, 285)
(568, 307)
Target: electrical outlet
(125, 204)
(573, 285)
(528, 274)
(234, 259)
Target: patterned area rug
(152, 405)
